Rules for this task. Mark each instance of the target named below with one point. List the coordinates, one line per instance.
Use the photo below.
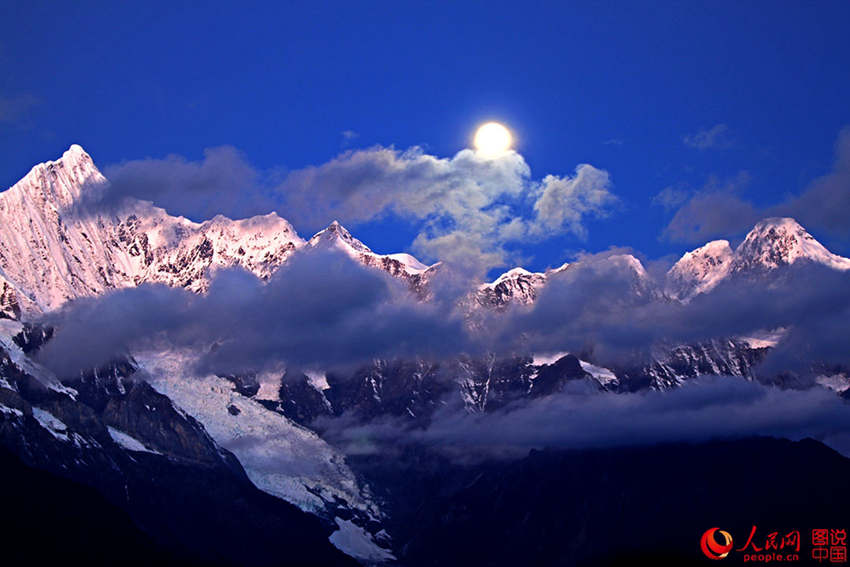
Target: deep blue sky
(617, 85)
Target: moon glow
(492, 139)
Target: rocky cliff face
(414, 390)
(10, 300)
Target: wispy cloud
(825, 203)
(671, 197)
(348, 137)
(581, 417)
(15, 108)
(716, 137)
(715, 210)
(718, 209)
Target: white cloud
(565, 201)
(468, 206)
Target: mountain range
(150, 429)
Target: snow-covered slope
(700, 270)
(148, 457)
(280, 457)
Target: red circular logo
(711, 548)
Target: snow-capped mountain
(771, 244)
(776, 242)
(627, 267)
(699, 270)
(402, 266)
(51, 259)
(516, 286)
(56, 250)
(52, 249)
(184, 254)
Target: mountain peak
(699, 270)
(781, 241)
(515, 272)
(75, 153)
(335, 229)
(779, 223)
(75, 160)
(773, 242)
(338, 236)
(516, 286)
(58, 182)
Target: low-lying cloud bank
(323, 309)
(319, 309)
(581, 417)
(600, 305)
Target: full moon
(492, 139)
